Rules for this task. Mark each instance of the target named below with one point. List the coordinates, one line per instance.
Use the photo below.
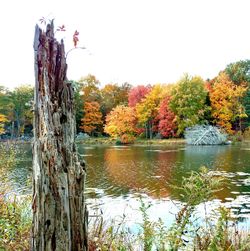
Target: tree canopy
(162, 110)
(226, 103)
(121, 122)
(188, 102)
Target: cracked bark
(59, 210)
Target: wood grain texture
(59, 211)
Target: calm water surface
(118, 176)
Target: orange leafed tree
(226, 104)
(121, 122)
(92, 117)
(3, 119)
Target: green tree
(246, 104)
(239, 73)
(5, 101)
(78, 102)
(90, 88)
(20, 107)
(114, 95)
(188, 102)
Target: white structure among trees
(205, 135)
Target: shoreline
(110, 141)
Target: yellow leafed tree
(121, 122)
(147, 109)
(3, 119)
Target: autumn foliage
(113, 95)
(225, 99)
(137, 93)
(166, 110)
(92, 117)
(147, 109)
(121, 123)
(167, 120)
(3, 119)
(158, 110)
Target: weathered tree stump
(59, 211)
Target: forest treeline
(159, 110)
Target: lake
(118, 176)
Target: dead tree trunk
(59, 211)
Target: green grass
(111, 141)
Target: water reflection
(150, 170)
(19, 176)
(139, 169)
(116, 176)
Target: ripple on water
(242, 216)
(162, 151)
(245, 210)
(223, 174)
(245, 149)
(112, 188)
(121, 147)
(233, 205)
(243, 174)
(229, 199)
(93, 190)
(239, 206)
(156, 176)
(235, 192)
(89, 147)
(246, 182)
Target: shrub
(127, 139)
(15, 218)
(246, 134)
(15, 223)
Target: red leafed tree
(137, 93)
(167, 125)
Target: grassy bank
(160, 142)
(111, 141)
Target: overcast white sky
(139, 41)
